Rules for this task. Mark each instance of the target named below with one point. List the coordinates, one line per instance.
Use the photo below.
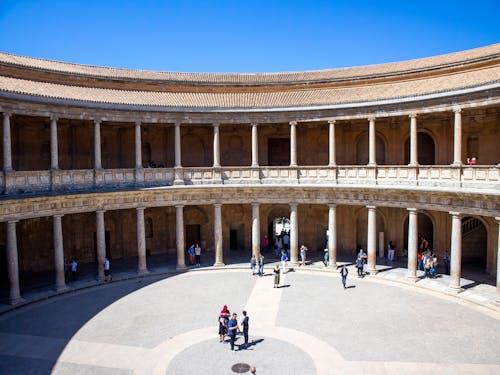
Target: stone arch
(362, 151)
(426, 145)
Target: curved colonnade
(240, 148)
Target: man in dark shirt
(232, 328)
(244, 325)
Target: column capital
(497, 218)
(138, 122)
(255, 204)
(254, 124)
(140, 208)
(371, 118)
(97, 121)
(293, 123)
(293, 205)
(58, 215)
(216, 124)
(332, 122)
(412, 209)
(332, 205)
(413, 115)
(457, 109)
(217, 204)
(54, 117)
(178, 123)
(371, 207)
(179, 206)
(100, 210)
(455, 213)
(17, 221)
(7, 114)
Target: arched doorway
(426, 149)
(362, 228)
(362, 150)
(425, 228)
(474, 243)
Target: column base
(180, 267)
(143, 272)
(496, 303)
(333, 267)
(178, 182)
(412, 279)
(454, 289)
(219, 264)
(16, 301)
(372, 271)
(293, 264)
(62, 288)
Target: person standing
(66, 269)
(191, 254)
(265, 243)
(303, 251)
(359, 265)
(286, 241)
(326, 257)
(74, 267)
(390, 252)
(446, 262)
(344, 272)
(197, 253)
(261, 265)
(223, 319)
(276, 276)
(283, 260)
(244, 326)
(107, 267)
(232, 328)
(253, 264)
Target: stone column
(12, 264)
(97, 145)
(178, 162)
(138, 146)
(332, 235)
(59, 253)
(255, 146)
(372, 240)
(293, 143)
(7, 143)
(372, 152)
(141, 242)
(412, 243)
(456, 251)
(54, 153)
(216, 146)
(294, 231)
(219, 261)
(101, 244)
(413, 140)
(255, 229)
(498, 261)
(179, 232)
(457, 138)
(331, 143)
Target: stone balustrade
(32, 182)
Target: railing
(477, 177)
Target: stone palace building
(103, 162)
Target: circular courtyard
(310, 325)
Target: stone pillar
(413, 140)
(216, 146)
(498, 261)
(456, 251)
(97, 145)
(59, 253)
(7, 143)
(142, 267)
(13, 264)
(332, 235)
(138, 146)
(331, 143)
(178, 162)
(457, 138)
(293, 143)
(54, 153)
(372, 240)
(255, 146)
(372, 144)
(294, 234)
(179, 232)
(101, 244)
(412, 243)
(219, 261)
(255, 229)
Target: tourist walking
(286, 241)
(420, 262)
(260, 262)
(197, 254)
(390, 252)
(326, 257)
(276, 276)
(107, 270)
(253, 264)
(359, 266)
(344, 272)
(232, 329)
(191, 254)
(265, 243)
(244, 326)
(284, 258)
(303, 251)
(446, 262)
(74, 267)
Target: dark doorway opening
(474, 242)
(278, 151)
(426, 149)
(236, 237)
(4, 278)
(193, 234)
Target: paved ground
(167, 324)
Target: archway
(278, 221)
(474, 243)
(426, 149)
(425, 228)
(362, 150)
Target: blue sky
(243, 36)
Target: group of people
(282, 243)
(194, 253)
(257, 261)
(228, 326)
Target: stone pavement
(167, 324)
